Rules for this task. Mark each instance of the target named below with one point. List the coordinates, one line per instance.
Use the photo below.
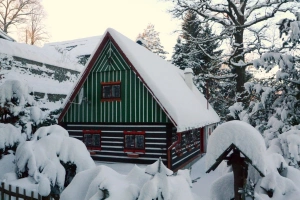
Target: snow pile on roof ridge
(34, 53)
(188, 109)
(243, 136)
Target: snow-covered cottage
(130, 105)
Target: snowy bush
(51, 154)
(10, 138)
(154, 182)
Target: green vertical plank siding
(136, 106)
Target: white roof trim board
(188, 108)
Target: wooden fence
(12, 192)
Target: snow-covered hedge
(156, 181)
(47, 157)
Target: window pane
(96, 140)
(129, 141)
(139, 141)
(106, 91)
(116, 91)
(88, 139)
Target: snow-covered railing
(13, 192)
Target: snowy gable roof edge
(5, 36)
(185, 107)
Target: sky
(73, 19)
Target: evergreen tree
(179, 58)
(152, 40)
(189, 53)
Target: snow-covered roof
(186, 107)
(74, 48)
(5, 36)
(34, 53)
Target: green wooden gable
(136, 106)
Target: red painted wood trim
(134, 132)
(111, 83)
(171, 147)
(92, 132)
(133, 155)
(135, 150)
(111, 100)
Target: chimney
(188, 77)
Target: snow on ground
(201, 188)
(204, 181)
(7, 165)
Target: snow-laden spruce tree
(210, 79)
(52, 159)
(18, 107)
(152, 41)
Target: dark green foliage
(70, 168)
(105, 193)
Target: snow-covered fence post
(240, 144)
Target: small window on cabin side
(111, 91)
(134, 141)
(92, 139)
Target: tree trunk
(240, 79)
(239, 43)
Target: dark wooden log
(238, 168)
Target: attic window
(134, 141)
(111, 91)
(92, 139)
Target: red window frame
(92, 132)
(134, 149)
(103, 99)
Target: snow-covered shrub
(154, 182)
(50, 130)
(164, 185)
(103, 182)
(47, 155)
(10, 138)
